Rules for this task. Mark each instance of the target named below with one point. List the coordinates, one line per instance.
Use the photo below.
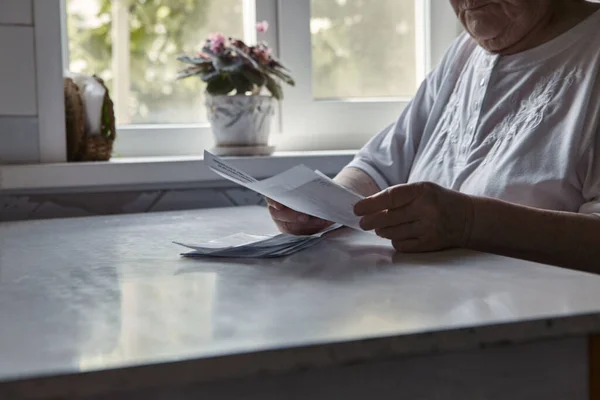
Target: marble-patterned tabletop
(91, 299)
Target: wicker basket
(81, 146)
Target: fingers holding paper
(418, 217)
(293, 222)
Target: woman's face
(501, 24)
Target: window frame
(301, 123)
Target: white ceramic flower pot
(240, 120)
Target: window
(323, 42)
(363, 49)
(356, 63)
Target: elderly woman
(499, 151)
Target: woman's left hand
(418, 217)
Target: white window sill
(171, 172)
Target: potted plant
(242, 85)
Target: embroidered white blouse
(523, 128)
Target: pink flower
(218, 42)
(263, 55)
(262, 27)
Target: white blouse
(523, 128)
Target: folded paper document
(300, 189)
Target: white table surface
(106, 293)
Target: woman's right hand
(293, 222)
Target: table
(105, 308)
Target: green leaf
(191, 71)
(194, 60)
(106, 117)
(228, 66)
(282, 75)
(254, 76)
(278, 64)
(246, 57)
(209, 76)
(274, 88)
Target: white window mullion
(249, 13)
(120, 61)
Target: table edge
(298, 358)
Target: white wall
(19, 140)
(31, 100)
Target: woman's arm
(559, 238)
(423, 217)
(357, 181)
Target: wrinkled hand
(293, 222)
(418, 217)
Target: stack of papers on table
(244, 245)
